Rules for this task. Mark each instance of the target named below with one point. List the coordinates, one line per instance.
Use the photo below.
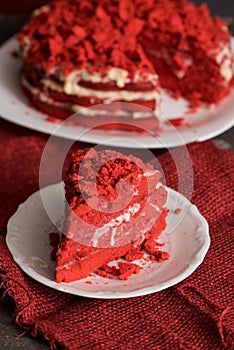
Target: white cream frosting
(112, 239)
(224, 52)
(151, 173)
(114, 224)
(71, 88)
(44, 8)
(118, 75)
(159, 184)
(224, 58)
(27, 46)
(155, 207)
(226, 70)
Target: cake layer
(91, 97)
(73, 88)
(105, 116)
(76, 261)
(90, 80)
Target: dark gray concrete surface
(8, 330)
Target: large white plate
(187, 241)
(204, 124)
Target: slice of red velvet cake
(78, 54)
(115, 209)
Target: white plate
(187, 241)
(204, 124)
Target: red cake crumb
(192, 109)
(152, 247)
(128, 269)
(159, 244)
(161, 256)
(103, 273)
(110, 269)
(53, 120)
(124, 270)
(89, 282)
(176, 122)
(178, 211)
(232, 81)
(134, 254)
(87, 38)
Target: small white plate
(203, 125)
(187, 241)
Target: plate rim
(67, 288)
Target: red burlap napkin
(195, 314)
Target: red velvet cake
(79, 54)
(115, 209)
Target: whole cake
(115, 209)
(79, 54)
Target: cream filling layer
(106, 96)
(126, 217)
(225, 59)
(87, 111)
(117, 75)
(114, 224)
(226, 70)
(44, 98)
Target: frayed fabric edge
(9, 287)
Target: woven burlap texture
(195, 314)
